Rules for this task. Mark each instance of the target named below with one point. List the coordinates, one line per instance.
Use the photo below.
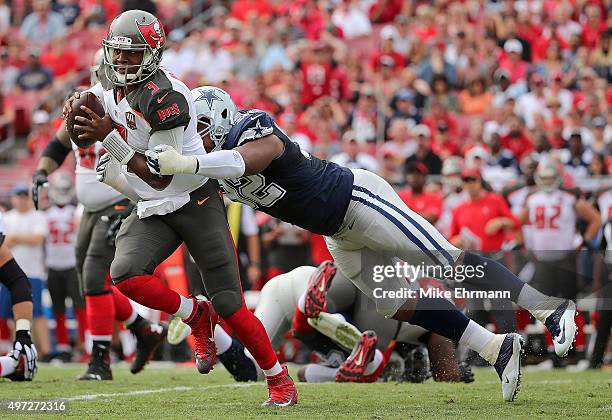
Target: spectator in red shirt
(517, 140)
(384, 11)
(317, 70)
(388, 34)
(60, 60)
(593, 27)
(426, 204)
(512, 61)
(480, 222)
(243, 9)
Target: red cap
(470, 173)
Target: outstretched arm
(247, 159)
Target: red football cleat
(352, 369)
(281, 390)
(202, 324)
(318, 285)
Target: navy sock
(496, 277)
(440, 316)
(237, 363)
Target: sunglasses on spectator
(469, 179)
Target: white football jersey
(552, 217)
(62, 237)
(604, 202)
(516, 199)
(161, 103)
(94, 195)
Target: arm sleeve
(223, 164)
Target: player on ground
(94, 252)
(20, 363)
(148, 107)
(365, 223)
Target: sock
(61, 332)
(440, 316)
(128, 343)
(274, 370)
(185, 309)
(124, 311)
(100, 316)
(223, 340)
(374, 364)
(237, 363)
(101, 350)
(152, 292)
(252, 334)
(81, 316)
(482, 341)
(7, 366)
(495, 276)
(539, 304)
(300, 322)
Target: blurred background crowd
(447, 100)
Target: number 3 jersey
(296, 187)
(160, 103)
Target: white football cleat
(562, 326)
(508, 365)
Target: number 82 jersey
(296, 187)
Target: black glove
(39, 179)
(114, 224)
(23, 347)
(465, 373)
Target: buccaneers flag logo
(153, 33)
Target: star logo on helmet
(258, 129)
(209, 96)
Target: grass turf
(180, 392)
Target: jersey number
(253, 190)
(542, 222)
(88, 157)
(61, 233)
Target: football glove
(38, 181)
(23, 348)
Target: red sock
(100, 315)
(81, 316)
(123, 307)
(61, 332)
(300, 322)
(151, 292)
(252, 334)
(5, 331)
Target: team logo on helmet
(209, 96)
(153, 33)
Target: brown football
(92, 102)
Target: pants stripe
(399, 224)
(409, 219)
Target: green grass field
(180, 392)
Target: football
(92, 102)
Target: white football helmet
(216, 111)
(547, 175)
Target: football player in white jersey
(367, 226)
(147, 107)
(103, 208)
(21, 363)
(551, 213)
(60, 261)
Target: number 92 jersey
(296, 187)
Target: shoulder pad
(165, 109)
(252, 125)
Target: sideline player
(94, 253)
(365, 223)
(20, 364)
(148, 107)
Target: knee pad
(226, 302)
(122, 268)
(15, 280)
